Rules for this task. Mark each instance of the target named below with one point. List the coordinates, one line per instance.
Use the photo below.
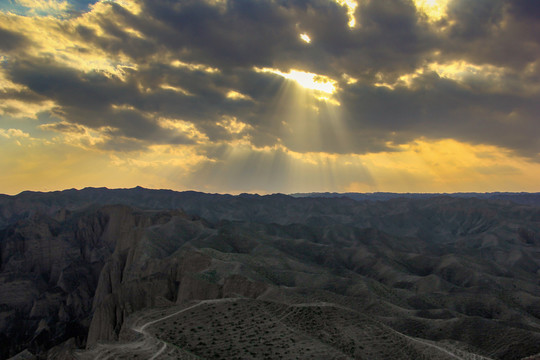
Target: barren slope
(422, 278)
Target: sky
(288, 96)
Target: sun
(305, 37)
(311, 81)
(305, 79)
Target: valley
(136, 273)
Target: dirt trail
(145, 346)
(454, 353)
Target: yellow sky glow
(419, 166)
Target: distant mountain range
(27, 202)
(517, 197)
(139, 273)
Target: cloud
(237, 37)
(499, 32)
(64, 127)
(127, 76)
(10, 40)
(13, 133)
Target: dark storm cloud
(244, 34)
(266, 34)
(93, 100)
(525, 9)
(440, 108)
(498, 32)
(10, 40)
(22, 95)
(96, 100)
(118, 40)
(392, 39)
(69, 87)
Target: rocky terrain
(98, 273)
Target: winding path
(467, 356)
(149, 347)
(146, 346)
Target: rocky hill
(121, 273)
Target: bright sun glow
(434, 9)
(311, 81)
(305, 37)
(306, 79)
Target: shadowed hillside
(183, 275)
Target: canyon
(124, 273)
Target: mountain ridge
(77, 269)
